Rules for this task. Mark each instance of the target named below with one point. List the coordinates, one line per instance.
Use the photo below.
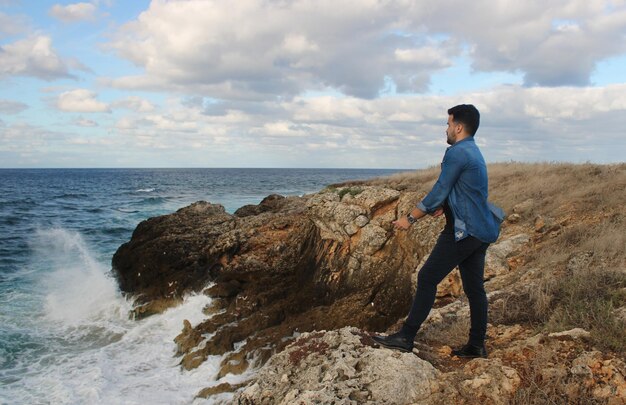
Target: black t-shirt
(447, 211)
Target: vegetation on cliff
(330, 260)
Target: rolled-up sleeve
(451, 169)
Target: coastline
(330, 260)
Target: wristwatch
(411, 218)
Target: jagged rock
(327, 260)
(604, 378)
(579, 261)
(165, 257)
(480, 380)
(271, 203)
(576, 333)
(540, 224)
(350, 268)
(524, 207)
(187, 339)
(546, 225)
(143, 309)
(341, 367)
(496, 259)
(620, 314)
(451, 285)
(337, 367)
(218, 389)
(513, 218)
(372, 239)
(236, 364)
(587, 374)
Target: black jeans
(469, 255)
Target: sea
(65, 332)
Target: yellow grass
(584, 208)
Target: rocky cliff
(299, 282)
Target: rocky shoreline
(298, 283)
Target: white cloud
(134, 103)
(12, 24)
(84, 122)
(426, 56)
(74, 12)
(529, 124)
(33, 56)
(551, 46)
(12, 107)
(261, 50)
(125, 123)
(80, 100)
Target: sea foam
(94, 353)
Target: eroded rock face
(290, 264)
(340, 367)
(167, 256)
(294, 265)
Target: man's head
(463, 121)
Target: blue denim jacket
(463, 181)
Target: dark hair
(467, 115)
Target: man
(471, 225)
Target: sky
(308, 83)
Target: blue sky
(202, 83)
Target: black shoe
(470, 351)
(395, 341)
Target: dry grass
(583, 207)
(539, 389)
(588, 300)
(453, 332)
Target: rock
(496, 262)
(605, 378)
(336, 367)
(236, 364)
(451, 285)
(486, 380)
(576, 333)
(372, 238)
(513, 218)
(579, 262)
(187, 339)
(286, 267)
(165, 257)
(620, 314)
(338, 219)
(524, 207)
(375, 198)
(540, 223)
(271, 203)
(361, 221)
(218, 389)
(546, 225)
(349, 266)
(142, 309)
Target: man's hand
(438, 212)
(403, 223)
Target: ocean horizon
(65, 332)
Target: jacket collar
(468, 139)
